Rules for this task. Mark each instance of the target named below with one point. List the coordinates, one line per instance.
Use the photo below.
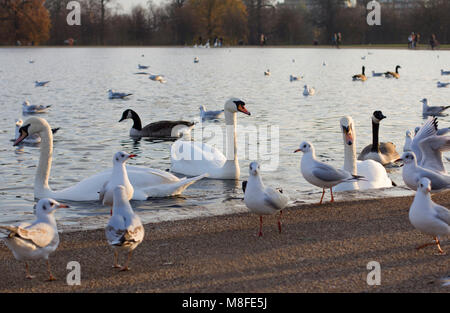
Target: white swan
(374, 173)
(147, 182)
(190, 158)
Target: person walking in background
(410, 41)
(416, 40)
(334, 40)
(433, 42)
(339, 40)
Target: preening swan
(194, 158)
(147, 182)
(383, 152)
(374, 173)
(263, 200)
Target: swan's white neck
(232, 163)
(45, 161)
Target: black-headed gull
(445, 72)
(118, 95)
(375, 74)
(442, 85)
(142, 67)
(320, 174)
(41, 84)
(408, 141)
(429, 217)
(38, 239)
(432, 110)
(412, 173)
(209, 115)
(124, 230)
(28, 108)
(119, 177)
(263, 200)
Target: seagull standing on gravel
(427, 216)
(320, 174)
(412, 173)
(118, 95)
(263, 200)
(38, 239)
(124, 230)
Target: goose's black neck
(136, 120)
(375, 139)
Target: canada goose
(267, 73)
(159, 129)
(361, 77)
(384, 152)
(393, 75)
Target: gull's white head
(235, 105)
(305, 147)
(348, 130)
(408, 158)
(424, 185)
(254, 168)
(121, 157)
(47, 206)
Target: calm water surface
(90, 133)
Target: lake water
(90, 133)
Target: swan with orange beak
(118, 177)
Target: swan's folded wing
(443, 213)
(275, 199)
(328, 173)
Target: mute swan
(321, 174)
(429, 217)
(118, 95)
(361, 77)
(159, 129)
(30, 139)
(263, 200)
(392, 74)
(124, 230)
(147, 182)
(190, 158)
(38, 239)
(383, 152)
(374, 173)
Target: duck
(117, 95)
(147, 182)
(361, 77)
(28, 108)
(35, 139)
(308, 91)
(124, 231)
(392, 74)
(382, 152)
(191, 158)
(209, 115)
(36, 240)
(160, 129)
(263, 200)
(374, 173)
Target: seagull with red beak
(118, 177)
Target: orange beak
(19, 140)
(242, 109)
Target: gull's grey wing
(115, 236)
(438, 181)
(328, 173)
(275, 199)
(443, 213)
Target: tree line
(236, 22)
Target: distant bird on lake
(41, 84)
(157, 78)
(362, 76)
(118, 95)
(442, 85)
(143, 67)
(374, 74)
(308, 91)
(33, 139)
(196, 60)
(445, 72)
(392, 74)
(28, 108)
(209, 115)
(432, 110)
(293, 78)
